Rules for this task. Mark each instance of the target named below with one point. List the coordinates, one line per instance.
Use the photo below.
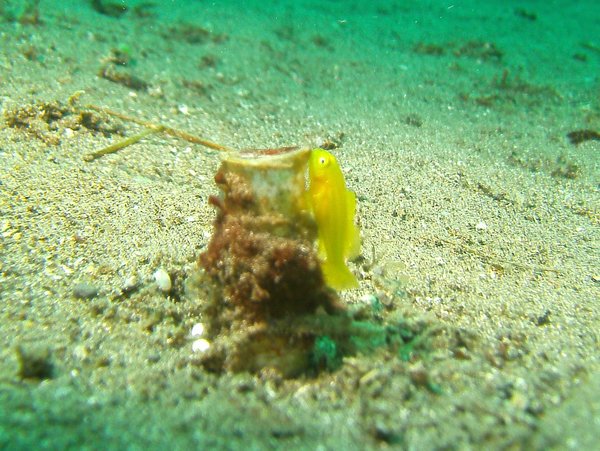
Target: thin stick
(169, 130)
(122, 144)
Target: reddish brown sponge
(263, 275)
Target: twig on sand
(151, 128)
(121, 144)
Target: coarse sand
(479, 218)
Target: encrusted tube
(264, 298)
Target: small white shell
(163, 280)
(200, 345)
(197, 330)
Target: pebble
(163, 280)
(369, 299)
(200, 345)
(197, 330)
(131, 285)
(84, 290)
(34, 362)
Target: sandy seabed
(479, 219)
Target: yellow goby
(334, 208)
